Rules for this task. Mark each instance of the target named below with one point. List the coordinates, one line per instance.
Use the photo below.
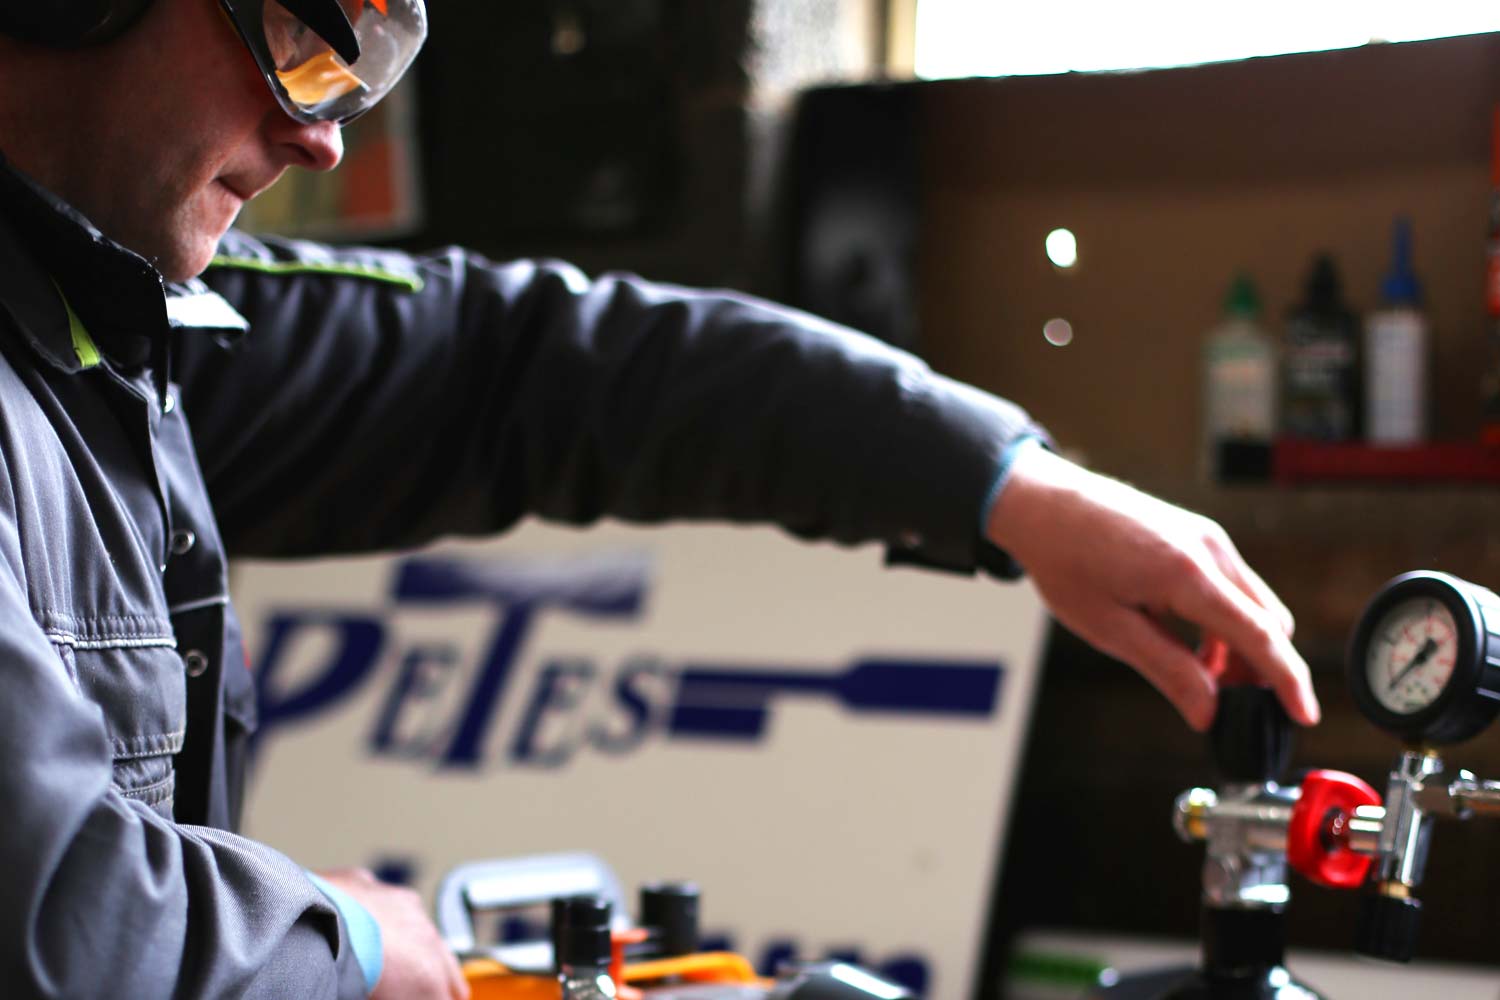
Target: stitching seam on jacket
(66, 616)
(153, 794)
(112, 641)
(132, 747)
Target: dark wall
(611, 133)
(852, 191)
(1174, 181)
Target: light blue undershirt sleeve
(364, 932)
(1002, 476)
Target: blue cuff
(1002, 476)
(364, 932)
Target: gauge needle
(1428, 648)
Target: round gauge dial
(1424, 663)
(1411, 655)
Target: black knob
(1251, 738)
(1238, 941)
(670, 911)
(1387, 927)
(580, 930)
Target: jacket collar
(59, 273)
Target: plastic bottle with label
(1239, 390)
(1396, 344)
(1320, 362)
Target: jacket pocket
(142, 692)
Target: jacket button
(183, 541)
(195, 662)
(169, 404)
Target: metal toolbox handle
(516, 883)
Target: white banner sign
(827, 747)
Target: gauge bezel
(1459, 711)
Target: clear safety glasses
(330, 60)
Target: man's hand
(418, 965)
(1112, 563)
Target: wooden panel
(1222, 125)
(1174, 180)
(1153, 268)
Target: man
(376, 401)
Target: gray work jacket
(377, 401)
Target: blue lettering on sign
(574, 702)
(420, 677)
(359, 640)
(560, 688)
(734, 701)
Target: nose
(317, 146)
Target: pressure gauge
(1424, 663)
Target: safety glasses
(330, 60)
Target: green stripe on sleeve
(411, 282)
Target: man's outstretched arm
(1112, 563)
(488, 391)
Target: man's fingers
(1171, 667)
(458, 986)
(1239, 572)
(1227, 666)
(1222, 609)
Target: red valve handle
(1309, 849)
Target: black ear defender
(68, 23)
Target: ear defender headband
(68, 23)
(324, 60)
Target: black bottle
(1321, 381)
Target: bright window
(956, 38)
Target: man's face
(160, 136)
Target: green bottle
(1239, 390)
